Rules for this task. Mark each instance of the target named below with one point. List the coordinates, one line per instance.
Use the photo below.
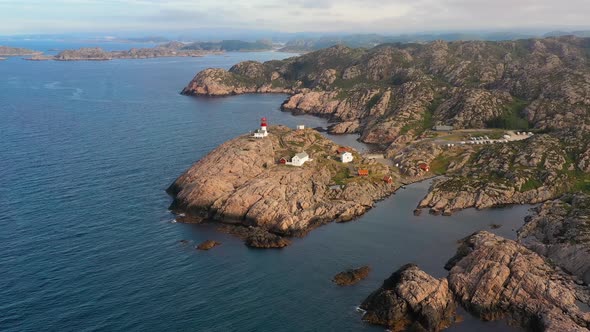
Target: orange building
(363, 172)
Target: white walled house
(346, 157)
(299, 159)
(300, 127)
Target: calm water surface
(87, 243)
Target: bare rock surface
(411, 299)
(560, 230)
(496, 278)
(352, 276)
(241, 182)
(206, 245)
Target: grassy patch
(530, 184)
(341, 176)
(512, 117)
(374, 100)
(440, 164)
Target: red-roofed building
(424, 167)
(363, 172)
(342, 149)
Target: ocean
(88, 244)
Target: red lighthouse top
(263, 122)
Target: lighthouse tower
(262, 132)
(263, 127)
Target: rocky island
(492, 278)
(6, 51)
(248, 182)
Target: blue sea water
(86, 240)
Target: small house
(300, 127)
(283, 161)
(346, 157)
(424, 167)
(299, 159)
(388, 179)
(363, 172)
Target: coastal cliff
(242, 183)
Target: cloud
(385, 16)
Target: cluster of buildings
(344, 154)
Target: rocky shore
(560, 230)
(491, 277)
(393, 95)
(242, 183)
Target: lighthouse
(262, 132)
(263, 127)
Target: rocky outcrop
(493, 278)
(496, 278)
(265, 240)
(242, 183)
(352, 276)
(560, 230)
(209, 244)
(410, 299)
(526, 172)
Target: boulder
(352, 276)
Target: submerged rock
(352, 276)
(411, 299)
(266, 240)
(209, 244)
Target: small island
(281, 181)
(7, 51)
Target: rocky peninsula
(243, 183)
(394, 95)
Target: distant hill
(372, 40)
(230, 46)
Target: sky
(351, 16)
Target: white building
(299, 159)
(300, 127)
(346, 157)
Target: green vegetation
(440, 164)
(530, 184)
(342, 174)
(374, 100)
(512, 117)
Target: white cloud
(394, 16)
